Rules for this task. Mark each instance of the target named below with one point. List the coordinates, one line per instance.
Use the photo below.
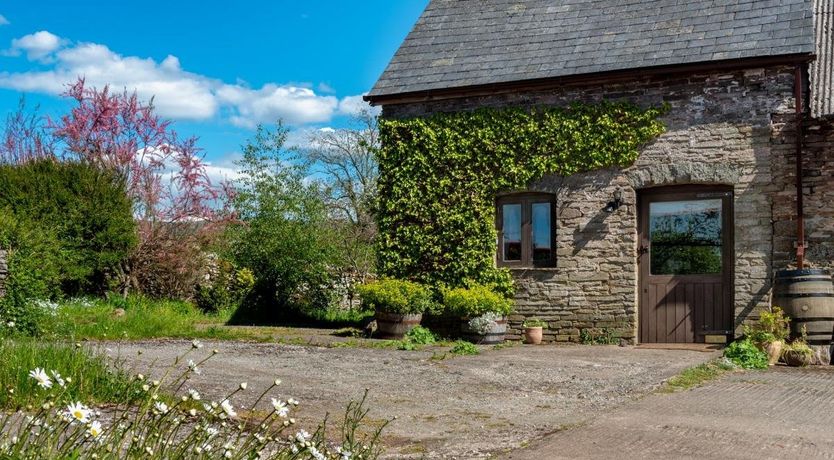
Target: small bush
(772, 326)
(476, 300)
(226, 290)
(604, 337)
(534, 322)
(745, 354)
(421, 336)
(462, 347)
(395, 296)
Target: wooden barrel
(395, 326)
(494, 335)
(807, 296)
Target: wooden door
(685, 263)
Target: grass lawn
(142, 319)
(86, 375)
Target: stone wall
(4, 272)
(721, 130)
(818, 193)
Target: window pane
(512, 232)
(685, 237)
(541, 231)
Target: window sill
(532, 269)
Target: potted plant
(769, 333)
(798, 353)
(533, 331)
(483, 312)
(398, 305)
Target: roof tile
(458, 43)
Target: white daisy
(94, 429)
(302, 436)
(193, 394)
(78, 412)
(193, 367)
(161, 407)
(228, 408)
(58, 379)
(280, 408)
(40, 375)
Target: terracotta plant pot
(774, 351)
(796, 359)
(533, 335)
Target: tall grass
(139, 318)
(153, 419)
(88, 375)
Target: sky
(217, 68)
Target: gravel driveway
(460, 407)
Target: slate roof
(460, 43)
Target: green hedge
(439, 176)
(35, 261)
(86, 209)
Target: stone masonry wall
(4, 272)
(818, 193)
(719, 132)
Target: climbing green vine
(439, 176)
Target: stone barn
(681, 246)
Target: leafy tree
(344, 163)
(282, 235)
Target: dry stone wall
(723, 128)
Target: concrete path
(782, 413)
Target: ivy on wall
(439, 176)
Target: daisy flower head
(161, 407)
(280, 407)
(77, 412)
(192, 366)
(302, 436)
(194, 394)
(228, 408)
(94, 429)
(40, 375)
(59, 379)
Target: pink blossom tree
(24, 138)
(176, 205)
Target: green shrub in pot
(395, 296)
(476, 300)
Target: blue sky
(215, 67)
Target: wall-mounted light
(615, 204)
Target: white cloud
(353, 105)
(290, 103)
(3, 20)
(177, 93)
(36, 46)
